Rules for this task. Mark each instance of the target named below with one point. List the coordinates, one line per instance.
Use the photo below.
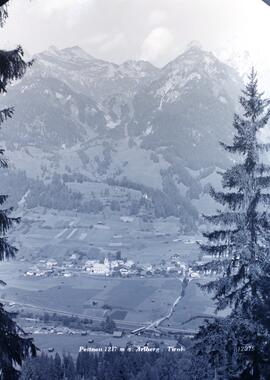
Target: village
(113, 265)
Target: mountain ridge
(130, 123)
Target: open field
(135, 301)
(195, 302)
(141, 300)
(50, 234)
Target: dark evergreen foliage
(108, 325)
(14, 345)
(3, 11)
(239, 240)
(164, 203)
(237, 347)
(110, 366)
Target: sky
(153, 30)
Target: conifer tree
(68, 367)
(239, 244)
(239, 240)
(14, 346)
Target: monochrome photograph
(134, 190)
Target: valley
(110, 170)
(49, 276)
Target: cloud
(157, 30)
(112, 42)
(104, 44)
(157, 17)
(68, 11)
(50, 6)
(96, 40)
(158, 43)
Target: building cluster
(106, 267)
(110, 267)
(174, 266)
(50, 267)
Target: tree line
(106, 366)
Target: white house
(98, 268)
(51, 263)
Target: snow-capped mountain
(49, 114)
(91, 76)
(240, 60)
(189, 107)
(158, 128)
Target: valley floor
(150, 299)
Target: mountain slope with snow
(189, 108)
(134, 124)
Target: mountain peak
(53, 49)
(194, 45)
(136, 67)
(194, 57)
(76, 51)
